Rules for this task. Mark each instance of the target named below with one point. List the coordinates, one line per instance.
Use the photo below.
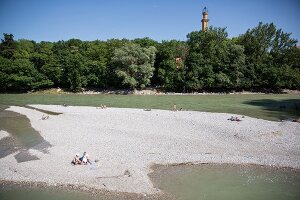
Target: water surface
(22, 136)
(224, 182)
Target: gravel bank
(134, 139)
(3, 134)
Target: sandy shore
(133, 140)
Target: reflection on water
(213, 182)
(23, 136)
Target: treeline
(263, 57)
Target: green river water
(228, 182)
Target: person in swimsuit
(85, 158)
(76, 160)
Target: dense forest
(263, 57)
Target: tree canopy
(134, 64)
(263, 57)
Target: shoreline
(90, 192)
(154, 91)
(6, 185)
(155, 167)
(190, 137)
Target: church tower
(205, 19)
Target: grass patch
(265, 106)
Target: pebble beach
(127, 142)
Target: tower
(205, 19)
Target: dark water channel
(22, 136)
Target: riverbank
(154, 91)
(270, 107)
(39, 190)
(132, 140)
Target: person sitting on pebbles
(102, 106)
(235, 119)
(76, 160)
(174, 107)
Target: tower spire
(205, 19)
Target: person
(102, 106)
(174, 107)
(44, 117)
(85, 159)
(76, 160)
(234, 119)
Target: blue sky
(53, 20)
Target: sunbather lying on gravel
(76, 160)
(85, 158)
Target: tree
(234, 66)
(134, 65)
(97, 64)
(7, 46)
(21, 75)
(42, 54)
(263, 57)
(146, 42)
(293, 58)
(5, 65)
(74, 71)
(53, 71)
(24, 49)
(169, 72)
(214, 62)
(266, 50)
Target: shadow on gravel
(22, 136)
(288, 108)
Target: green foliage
(5, 65)
(97, 64)
(74, 72)
(214, 61)
(42, 54)
(146, 42)
(20, 75)
(263, 57)
(268, 51)
(24, 49)
(134, 65)
(8, 46)
(53, 71)
(168, 73)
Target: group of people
(102, 106)
(175, 108)
(236, 119)
(83, 160)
